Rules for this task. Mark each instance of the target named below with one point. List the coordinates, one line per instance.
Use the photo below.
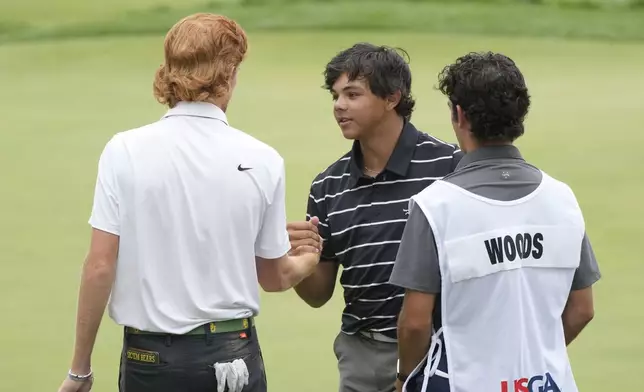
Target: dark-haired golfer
(361, 201)
(495, 254)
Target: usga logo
(537, 383)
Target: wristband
(79, 378)
(400, 376)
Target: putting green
(62, 101)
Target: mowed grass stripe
(517, 19)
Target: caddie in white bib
(490, 257)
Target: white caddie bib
(507, 269)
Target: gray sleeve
(416, 266)
(588, 271)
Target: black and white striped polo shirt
(362, 221)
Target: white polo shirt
(193, 201)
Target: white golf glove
(234, 374)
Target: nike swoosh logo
(240, 168)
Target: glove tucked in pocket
(233, 374)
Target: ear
(393, 100)
(461, 119)
(234, 78)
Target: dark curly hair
(491, 92)
(384, 69)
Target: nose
(340, 104)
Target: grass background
(590, 19)
(62, 99)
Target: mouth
(343, 120)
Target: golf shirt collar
(399, 160)
(197, 109)
(507, 151)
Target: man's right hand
(300, 250)
(304, 236)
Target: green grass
(59, 12)
(62, 101)
(473, 18)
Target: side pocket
(261, 356)
(260, 376)
(337, 346)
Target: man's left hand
(399, 385)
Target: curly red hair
(202, 53)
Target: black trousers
(171, 363)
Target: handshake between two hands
(304, 237)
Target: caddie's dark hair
(382, 67)
(492, 93)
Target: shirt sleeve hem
(273, 253)
(585, 284)
(105, 227)
(414, 286)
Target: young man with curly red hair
(188, 217)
